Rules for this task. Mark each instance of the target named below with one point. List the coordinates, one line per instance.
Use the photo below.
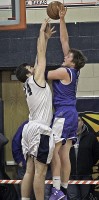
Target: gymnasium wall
(22, 44)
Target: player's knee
(40, 174)
(41, 170)
(44, 173)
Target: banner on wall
(44, 3)
(7, 4)
(88, 107)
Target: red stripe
(50, 181)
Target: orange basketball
(52, 10)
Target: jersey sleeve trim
(37, 84)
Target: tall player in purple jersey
(65, 120)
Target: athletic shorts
(65, 124)
(38, 141)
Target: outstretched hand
(44, 24)
(46, 28)
(62, 11)
(49, 31)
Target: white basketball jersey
(39, 100)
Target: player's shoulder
(62, 69)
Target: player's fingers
(53, 32)
(52, 28)
(58, 8)
(47, 20)
(49, 25)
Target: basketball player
(65, 120)
(37, 138)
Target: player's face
(30, 69)
(68, 60)
(80, 125)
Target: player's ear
(27, 75)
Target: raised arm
(49, 31)
(45, 33)
(63, 31)
(41, 56)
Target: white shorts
(38, 141)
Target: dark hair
(78, 58)
(21, 72)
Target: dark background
(17, 47)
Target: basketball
(52, 10)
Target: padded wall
(17, 47)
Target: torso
(65, 94)
(39, 100)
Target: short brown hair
(78, 58)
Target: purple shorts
(65, 124)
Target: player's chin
(64, 64)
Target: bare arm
(41, 56)
(45, 33)
(58, 74)
(63, 31)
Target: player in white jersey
(39, 100)
(37, 137)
